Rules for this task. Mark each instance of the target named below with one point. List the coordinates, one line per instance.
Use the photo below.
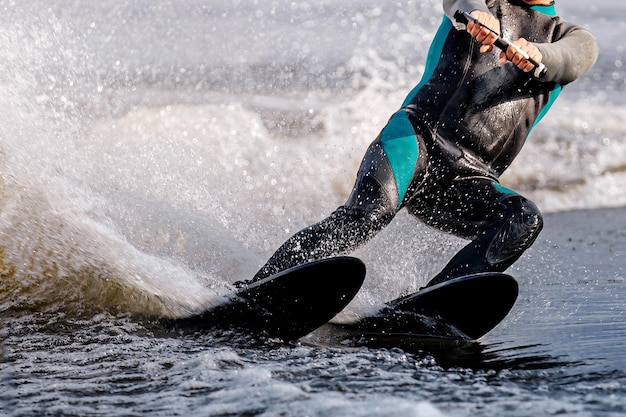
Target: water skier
(441, 154)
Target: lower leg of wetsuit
(370, 207)
(499, 246)
(343, 231)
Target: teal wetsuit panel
(400, 146)
(548, 9)
(434, 53)
(553, 96)
(503, 189)
(398, 137)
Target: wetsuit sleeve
(570, 56)
(451, 6)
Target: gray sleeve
(451, 6)
(570, 56)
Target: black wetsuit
(441, 154)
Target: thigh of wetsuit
(392, 163)
(465, 207)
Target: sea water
(153, 152)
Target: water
(153, 152)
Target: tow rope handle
(503, 42)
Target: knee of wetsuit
(369, 199)
(527, 210)
(368, 219)
(524, 217)
(520, 226)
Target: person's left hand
(518, 59)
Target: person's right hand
(482, 35)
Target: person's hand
(483, 35)
(518, 59)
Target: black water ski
(289, 304)
(464, 308)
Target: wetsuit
(441, 154)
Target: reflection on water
(447, 352)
